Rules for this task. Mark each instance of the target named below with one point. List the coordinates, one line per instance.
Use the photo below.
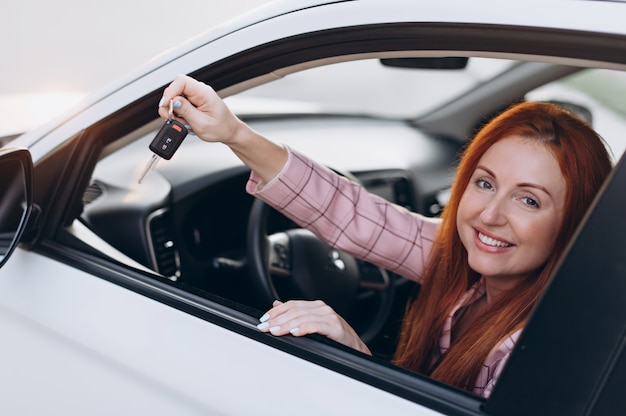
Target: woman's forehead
(522, 160)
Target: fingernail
(276, 302)
(161, 102)
(294, 331)
(263, 325)
(177, 104)
(275, 328)
(265, 317)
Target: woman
(522, 186)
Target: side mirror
(16, 172)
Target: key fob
(168, 139)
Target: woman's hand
(198, 106)
(301, 317)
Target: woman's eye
(483, 184)
(530, 202)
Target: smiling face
(512, 209)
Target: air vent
(93, 192)
(163, 250)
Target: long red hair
(584, 163)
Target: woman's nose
(494, 212)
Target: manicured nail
(276, 302)
(262, 326)
(275, 328)
(294, 331)
(265, 317)
(161, 102)
(177, 104)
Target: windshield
(393, 92)
(367, 87)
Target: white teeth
(491, 242)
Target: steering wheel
(296, 264)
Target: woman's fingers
(283, 316)
(198, 93)
(198, 106)
(294, 312)
(301, 318)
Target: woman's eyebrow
(536, 186)
(522, 184)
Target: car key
(166, 141)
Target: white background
(77, 45)
(55, 52)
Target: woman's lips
(490, 242)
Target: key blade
(149, 166)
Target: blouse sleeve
(349, 218)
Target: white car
(143, 299)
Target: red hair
(584, 163)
